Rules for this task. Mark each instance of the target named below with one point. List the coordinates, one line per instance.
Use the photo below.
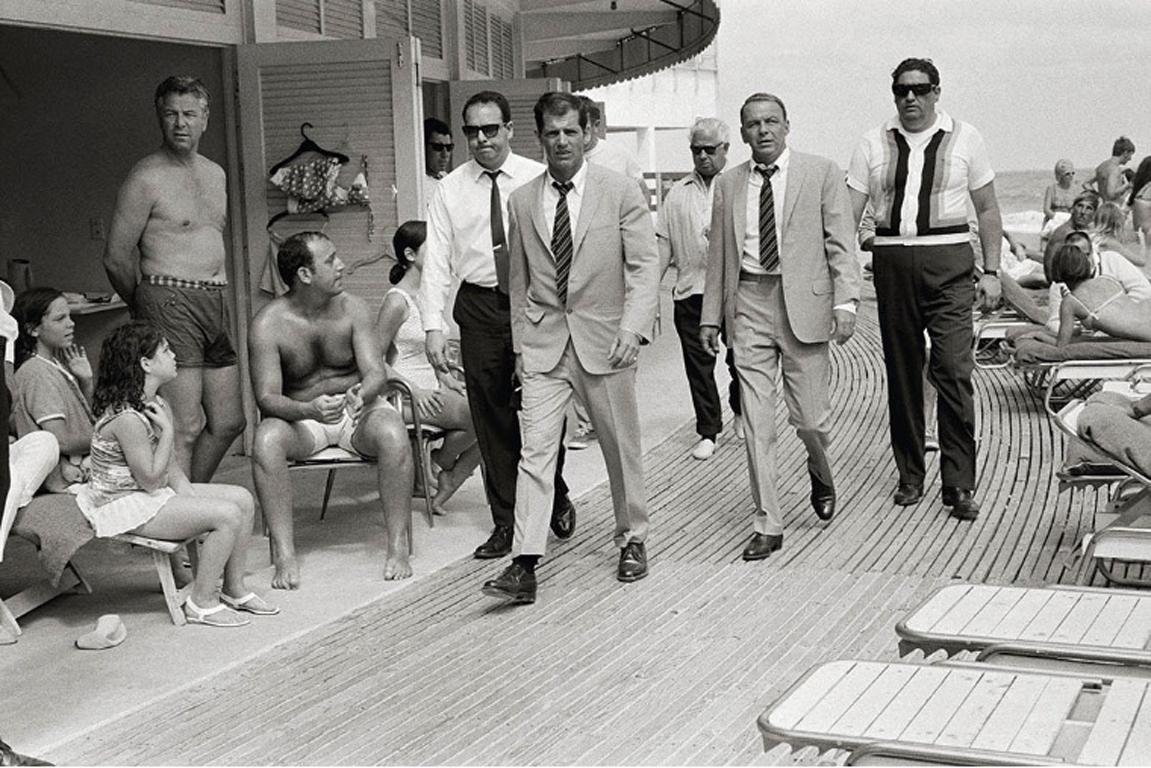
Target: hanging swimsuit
(1093, 314)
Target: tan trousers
(764, 346)
(611, 404)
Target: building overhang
(599, 42)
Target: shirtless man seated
(318, 376)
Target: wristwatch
(992, 272)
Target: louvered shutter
(360, 98)
(428, 26)
(521, 96)
(303, 15)
(344, 19)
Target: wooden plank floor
(671, 670)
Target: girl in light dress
(136, 485)
(53, 383)
(439, 398)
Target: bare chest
(187, 200)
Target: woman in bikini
(1099, 302)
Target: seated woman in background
(53, 382)
(1099, 301)
(439, 398)
(1140, 200)
(136, 485)
(1058, 197)
(1111, 233)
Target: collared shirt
(550, 196)
(919, 183)
(459, 238)
(1111, 263)
(750, 262)
(615, 157)
(685, 223)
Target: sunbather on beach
(1121, 426)
(137, 486)
(1111, 233)
(1099, 301)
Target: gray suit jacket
(817, 246)
(614, 278)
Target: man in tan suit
(782, 273)
(584, 288)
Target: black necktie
(562, 239)
(499, 240)
(768, 242)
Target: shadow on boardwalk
(671, 670)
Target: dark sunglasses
(436, 146)
(490, 130)
(919, 89)
(707, 149)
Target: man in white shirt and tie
(467, 238)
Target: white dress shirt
(459, 240)
(750, 262)
(551, 196)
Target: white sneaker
(738, 420)
(703, 449)
(582, 437)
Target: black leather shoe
(762, 545)
(632, 562)
(908, 493)
(822, 499)
(962, 502)
(563, 518)
(499, 544)
(516, 583)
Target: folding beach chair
(965, 713)
(1054, 626)
(1123, 529)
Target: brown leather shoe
(962, 502)
(499, 544)
(761, 546)
(632, 562)
(516, 583)
(563, 518)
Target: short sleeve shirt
(45, 392)
(919, 184)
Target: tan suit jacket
(613, 282)
(817, 246)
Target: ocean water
(1021, 191)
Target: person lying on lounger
(1099, 301)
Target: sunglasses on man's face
(436, 146)
(919, 89)
(707, 149)
(490, 130)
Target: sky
(1040, 79)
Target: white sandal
(250, 603)
(220, 616)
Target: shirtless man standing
(173, 207)
(318, 373)
(1110, 183)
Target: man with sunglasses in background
(437, 152)
(684, 226)
(918, 170)
(467, 238)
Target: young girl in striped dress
(136, 486)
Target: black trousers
(484, 318)
(699, 364)
(928, 288)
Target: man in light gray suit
(782, 273)
(584, 274)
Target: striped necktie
(562, 239)
(768, 240)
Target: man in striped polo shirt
(918, 171)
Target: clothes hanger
(285, 214)
(307, 145)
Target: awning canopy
(599, 42)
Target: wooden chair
(162, 550)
